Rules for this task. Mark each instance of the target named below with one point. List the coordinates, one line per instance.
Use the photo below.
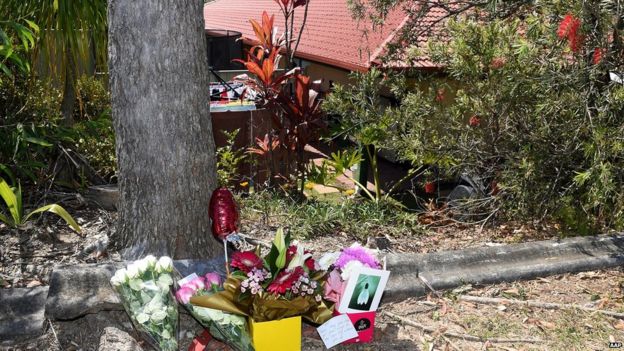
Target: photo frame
(364, 290)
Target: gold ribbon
(264, 307)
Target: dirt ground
(449, 322)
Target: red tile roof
(331, 35)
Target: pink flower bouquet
(229, 328)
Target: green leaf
(56, 209)
(32, 25)
(10, 200)
(18, 198)
(37, 141)
(6, 220)
(7, 171)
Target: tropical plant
(70, 30)
(17, 38)
(297, 118)
(16, 218)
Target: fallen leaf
(619, 325)
(33, 283)
(547, 325)
(540, 323)
(513, 292)
(501, 308)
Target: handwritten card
(337, 330)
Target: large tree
(165, 147)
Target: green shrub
(92, 100)
(32, 129)
(540, 120)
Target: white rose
(327, 260)
(164, 264)
(133, 270)
(119, 277)
(141, 265)
(349, 268)
(151, 261)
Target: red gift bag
(364, 323)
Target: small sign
(337, 330)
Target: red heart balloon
(224, 213)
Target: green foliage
(17, 38)
(16, 218)
(33, 129)
(526, 111)
(63, 24)
(364, 117)
(30, 112)
(92, 100)
(94, 134)
(308, 218)
(229, 159)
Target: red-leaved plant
(291, 96)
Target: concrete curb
(489, 265)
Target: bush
(92, 100)
(534, 115)
(30, 112)
(31, 135)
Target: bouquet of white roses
(144, 287)
(227, 327)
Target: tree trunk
(165, 148)
(69, 89)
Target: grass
(307, 218)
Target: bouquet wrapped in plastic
(226, 327)
(285, 283)
(144, 287)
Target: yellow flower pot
(282, 335)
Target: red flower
(568, 28)
(440, 95)
(597, 57)
(310, 263)
(475, 121)
(430, 187)
(246, 261)
(564, 26)
(285, 280)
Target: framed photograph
(364, 290)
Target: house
(333, 43)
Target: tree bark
(165, 148)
